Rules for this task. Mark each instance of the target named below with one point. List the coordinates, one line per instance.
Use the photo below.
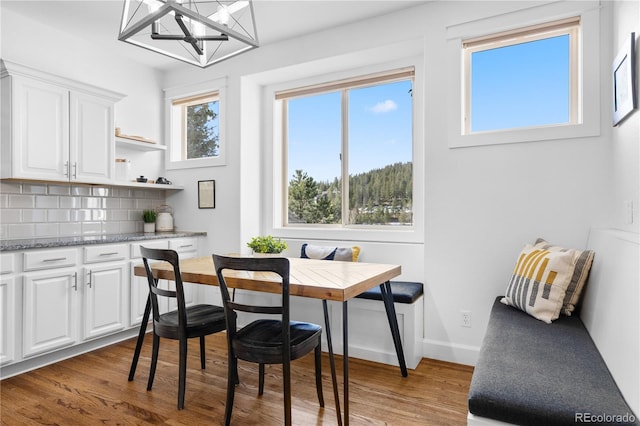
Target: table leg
(332, 362)
(143, 330)
(387, 297)
(345, 359)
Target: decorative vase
(149, 228)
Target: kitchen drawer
(35, 260)
(183, 244)
(7, 264)
(95, 254)
(154, 244)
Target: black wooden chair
(266, 341)
(180, 324)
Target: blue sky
(521, 85)
(379, 130)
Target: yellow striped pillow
(539, 282)
(578, 278)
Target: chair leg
(182, 373)
(286, 379)
(202, 356)
(260, 379)
(232, 379)
(318, 354)
(154, 360)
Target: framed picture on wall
(624, 81)
(206, 194)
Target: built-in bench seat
(370, 338)
(403, 292)
(532, 373)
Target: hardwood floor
(93, 389)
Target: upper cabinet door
(92, 139)
(41, 130)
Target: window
(349, 151)
(195, 131)
(537, 81)
(198, 126)
(522, 78)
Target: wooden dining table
(318, 279)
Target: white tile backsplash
(46, 202)
(30, 210)
(21, 230)
(70, 202)
(22, 201)
(33, 215)
(58, 215)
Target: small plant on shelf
(149, 216)
(267, 244)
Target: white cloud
(384, 107)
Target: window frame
(342, 87)
(175, 130)
(588, 71)
(405, 54)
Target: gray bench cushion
(532, 373)
(403, 292)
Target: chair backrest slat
(171, 257)
(278, 265)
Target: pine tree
(202, 136)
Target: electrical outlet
(465, 318)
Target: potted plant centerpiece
(149, 218)
(267, 245)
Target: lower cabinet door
(7, 319)
(50, 307)
(104, 299)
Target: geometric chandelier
(200, 32)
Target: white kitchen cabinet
(50, 310)
(104, 299)
(7, 309)
(139, 287)
(58, 302)
(91, 139)
(186, 248)
(56, 129)
(105, 284)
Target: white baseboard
(31, 363)
(450, 352)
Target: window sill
(397, 234)
(195, 163)
(569, 131)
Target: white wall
(625, 143)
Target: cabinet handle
(66, 168)
(89, 283)
(187, 245)
(108, 254)
(55, 259)
(75, 170)
(75, 281)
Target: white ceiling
(98, 21)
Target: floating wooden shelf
(127, 142)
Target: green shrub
(267, 244)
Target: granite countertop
(36, 243)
